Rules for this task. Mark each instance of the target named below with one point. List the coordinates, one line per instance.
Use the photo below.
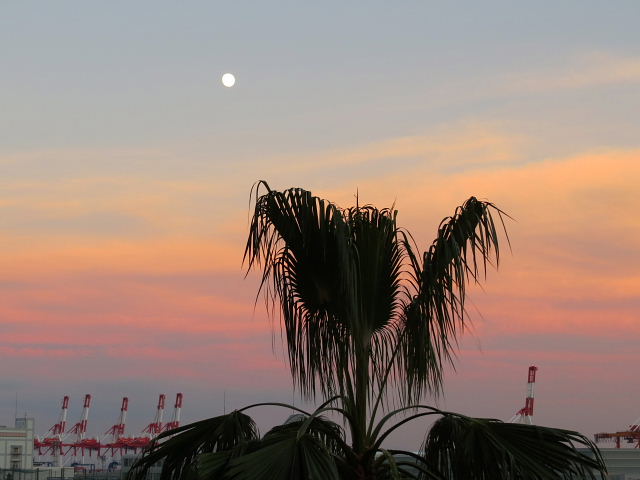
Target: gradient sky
(126, 169)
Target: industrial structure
(525, 414)
(62, 442)
(631, 436)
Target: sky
(126, 170)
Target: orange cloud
(576, 238)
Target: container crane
(175, 419)
(635, 426)
(61, 441)
(53, 444)
(630, 436)
(117, 430)
(155, 427)
(79, 430)
(119, 443)
(525, 414)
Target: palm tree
(369, 323)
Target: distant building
(128, 460)
(16, 445)
(622, 463)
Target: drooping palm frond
(302, 244)
(336, 276)
(304, 449)
(460, 447)
(403, 465)
(178, 449)
(466, 243)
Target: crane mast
(117, 430)
(175, 420)
(53, 445)
(80, 428)
(155, 427)
(525, 414)
(59, 428)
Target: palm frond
(479, 449)
(335, 276)
(302, 245)
(466, 243)
(178, 449)
(377, 257)
(300, 449)
(402, 464)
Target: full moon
(228, 80)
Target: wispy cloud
(467, 145)
(589, 70)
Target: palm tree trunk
(359, 428)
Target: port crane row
(61, 442)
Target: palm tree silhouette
(369, 321)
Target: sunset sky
(126, 169)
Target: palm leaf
(377, 257)
(304, 449)
(401, 464)
(336, 276)
(466, 243)
(480, 449)
(179, 448)
(302, 245)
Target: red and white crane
(59, 443)
(155, 427)
(635, 426)
(81, 443)
(175, 419)
(59, 428)
(80, 428)
(525, 414)
(117, 430)
(52, 445)
(119, 443)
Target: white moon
(228, 80)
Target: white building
(16, 445)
